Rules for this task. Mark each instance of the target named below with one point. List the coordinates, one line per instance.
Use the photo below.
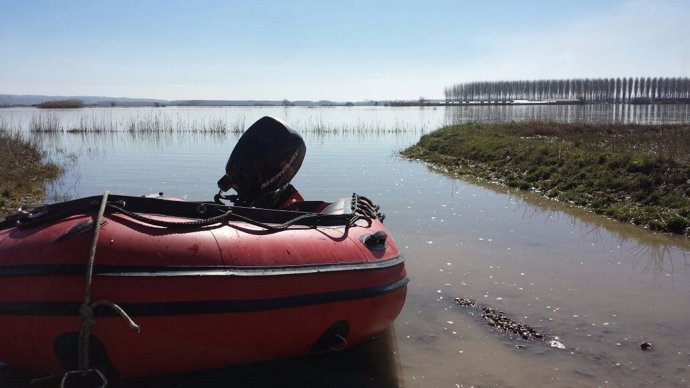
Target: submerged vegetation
(160, 122)
(630, 172)
(23, 171)
(147, 123)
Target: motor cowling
(264, 161)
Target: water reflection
(371, 364)
(656, 253)
(374, 363)
(165, 139)
(623, 113)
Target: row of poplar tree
(597, 90)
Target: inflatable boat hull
(204, 297)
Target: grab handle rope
(86, 315)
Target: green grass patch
(629, 172)
(23, 172)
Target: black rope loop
(361, 208)
(315, 218)
(199, 222)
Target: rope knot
(86, 314)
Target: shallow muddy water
(599, 286)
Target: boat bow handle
(376, 241)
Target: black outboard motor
(262, 164)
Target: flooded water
(598, 287)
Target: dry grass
(23, 172)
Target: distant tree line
(61, 104)
(586, 90)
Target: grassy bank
(23, 172)
(632, 173)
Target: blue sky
(337, 50)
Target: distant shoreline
(392, 104)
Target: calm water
(600, 286)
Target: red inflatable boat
(204, 284)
